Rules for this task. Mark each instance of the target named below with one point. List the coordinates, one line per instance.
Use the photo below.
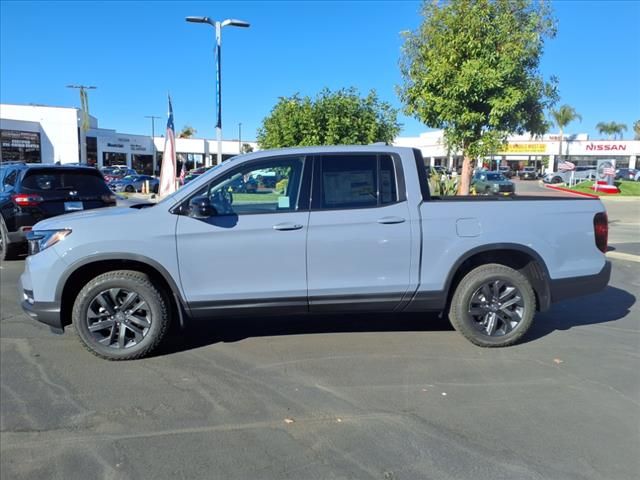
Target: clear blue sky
(135, 52)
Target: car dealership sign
(524, 148)
(600, 148)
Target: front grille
(505, 188)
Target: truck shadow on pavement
(607, 306)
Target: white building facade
(43, 134)
(35, 133)
(522, 150)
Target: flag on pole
(566, 166)
(183, 172)
(168, 172)
(608, 171)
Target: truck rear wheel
(493, 306)
(121, 315)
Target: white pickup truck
(343, 229)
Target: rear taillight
(601, 230)
(26, 200)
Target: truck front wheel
(493, 306)
(121, 315)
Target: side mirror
(200, 207)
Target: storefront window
(92, 151)
(111, 159)
(20, 146)
(142, 164)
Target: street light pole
(240, 138)
(84, 126)
(153, 137)
(218, 27)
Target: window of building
(142, 164)
(110, 159)
(20, 146)
(92, 151)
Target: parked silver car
(492, 183)
(580, 173)
(133, 183)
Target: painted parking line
(624, 256)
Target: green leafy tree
(471, 68)
(187, 132)
(246, 148)
(331, 118)
(562, 117)
(636, 130)
(611, 129)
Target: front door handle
(390, 220)
(287, 226)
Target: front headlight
(42, 239)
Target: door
(359, 243)
(250, 250)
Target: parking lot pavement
(376, 396)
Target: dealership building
(44, 134)
(523, 150)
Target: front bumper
(564, 288)
(43, 312)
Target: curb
(573, 192)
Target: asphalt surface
(362, 397)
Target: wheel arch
(519, 257)
(82, 272)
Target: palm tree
(619, 128)
(636, 129)
(187, 132)
(563, 117)
(612, 129)
(604, 128)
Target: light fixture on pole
(218, 27)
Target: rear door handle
(287, 226)
(390, 220)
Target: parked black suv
(32, 192)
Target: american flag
(168, 172)
(566, 166)
(608, 171)
(183, 172)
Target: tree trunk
(560, 148)
(465, 176)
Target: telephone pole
(84, 105)
(153, 136)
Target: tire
(129, 189)
(503, 314)
(8, 251)
(556, 180)
(139, 334)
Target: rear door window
(44, 181)
(354, 181)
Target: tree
(611, 129)
(562, 117)
(471, 68)
(636, 130)
(246, 148)
(332, 118)
(187, 132)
